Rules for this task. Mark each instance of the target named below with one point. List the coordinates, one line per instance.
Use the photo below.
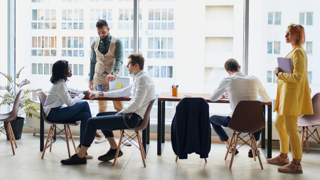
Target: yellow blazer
(293, 93)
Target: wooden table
(145, 132)
(166, 96)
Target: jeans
(218, 121)
(78, 112)
(107, 122)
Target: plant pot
(17, 126)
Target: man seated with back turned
(142, 91)
(238, 87)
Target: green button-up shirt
(103, 48)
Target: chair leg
(141, 149)
(234, 132)
(234, 151)
(205, 160)
(144, 153)
(302, 138)
(45, 146)
(317, 134)
(177, 158)
(118, 149)
(10, 137)
(52, 134)
(67, 139)
(252, 147)
(256, 148)
(74, 145)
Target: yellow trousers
(287, 127)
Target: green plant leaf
(18, 74)
(3, 74)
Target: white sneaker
(100, 137)
(87, 156)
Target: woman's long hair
(59, 71)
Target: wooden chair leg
(307, 139)
(74, 145)
(10, 137)
(234, 151)
(302, 137)
(141, 147)
(317, 134)
(144, 153)
(234, 132)
(252, 147)
(118, 149)
(205, 160)
(52, 134)
(45, 146)
(256, 148)
(177, 158)
(67, 140)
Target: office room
(159, 89)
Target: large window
(274, 18)
(273, 47)
(126, 19)
(309, 47)
(160, 47)
(306, 18)
(43, 19)
(161, 19)
(72, 46)
(44, 46)
(96, 14)
(72, 19)
(160, 71)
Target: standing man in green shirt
(106, 61)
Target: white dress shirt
(240, 87)
(58, 96)
(142, 91)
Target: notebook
(285, 64)
(119, 83)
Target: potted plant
(26, 105)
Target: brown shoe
(278, 160)
(291, 168)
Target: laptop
(119, 83)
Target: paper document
(119, 86)
(285, 64)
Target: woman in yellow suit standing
(293, 100)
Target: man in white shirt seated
(238, 87)
(142, 91)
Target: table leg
(159, 138)
(41, 132)
(263, 132)
(163, 120)
(269, 131)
